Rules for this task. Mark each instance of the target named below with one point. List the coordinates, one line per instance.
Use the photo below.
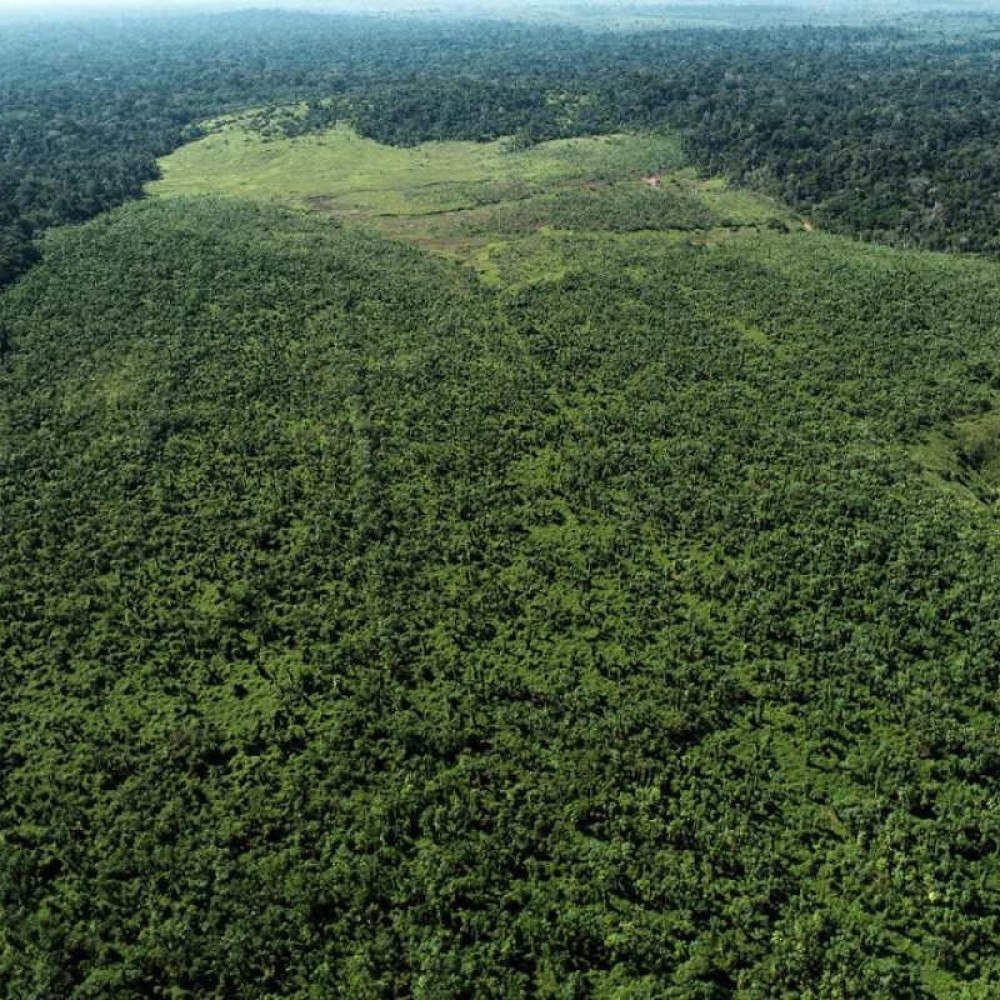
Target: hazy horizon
(36, 7)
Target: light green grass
(733, 206)
(517, 215)
(341, 171)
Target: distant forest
(888, 134)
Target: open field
(346, 173)
(480, 202)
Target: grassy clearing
(517, 215)
(344, 172)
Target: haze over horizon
(34, 7)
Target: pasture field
(347, 173)
(474, 201)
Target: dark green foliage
(368, 633)
(17, 253)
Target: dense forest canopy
(371, 632)
(559, 560)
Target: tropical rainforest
(500, 508)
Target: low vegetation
(474, 201)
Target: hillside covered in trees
(516, 564)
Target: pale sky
(29, 7)
(41, 6)
(35, 7)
